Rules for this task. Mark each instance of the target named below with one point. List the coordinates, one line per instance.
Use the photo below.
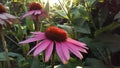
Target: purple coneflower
(56, 38)
(6, 19)
(36, 11)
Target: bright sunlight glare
(53, 2)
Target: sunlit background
(53, 2)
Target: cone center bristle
(56, 34)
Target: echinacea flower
(6, 19)
(56, 38)
(36, 11)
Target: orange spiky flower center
(56, 34)
(35, 6)
(2, 9)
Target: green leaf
(83, 12)
(117, 16)
(11, 56)
(29, 24)
(90, 2)
(25, 49)
(74, 13)
(107, 28)
(102, 16)
(81, 26)
(112, 41)
(93, 63)
(47, 4)
(61, 13)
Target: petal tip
(65, 62)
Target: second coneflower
(6, 19)
(57, 39)
(36, 11)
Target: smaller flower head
(35, 11)
(5, 18)
(2, 9)
(56, 38)
(35, 6)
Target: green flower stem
(35, 62)
(36, 25)
(5, 47)
(53, 58)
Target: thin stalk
(5, 48)
(53, 58)
(38, 27)
(37, 24)
(109, 57)
(11, 40)
(35, 62)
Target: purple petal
(2, 22)
(34, 48)
(60, 53)
(77, 47)
(83, 45)
(28, 14)
(37, 12)
(37, 33)
(65, 51)
(2, 16)
(35, 38)
(74, 50)
(82, 50)
(9, 16)
(48, 51)
(44, 44)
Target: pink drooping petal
(49, 51)
(28, 14)
(10, 16)
(44, 44)
(83, 45)
(60, 53)
(82, 50)
(74, 50)
(77, 47)
(2, 16)
(35, 38)
(65, 51)
(37, 12)
(34, 48)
